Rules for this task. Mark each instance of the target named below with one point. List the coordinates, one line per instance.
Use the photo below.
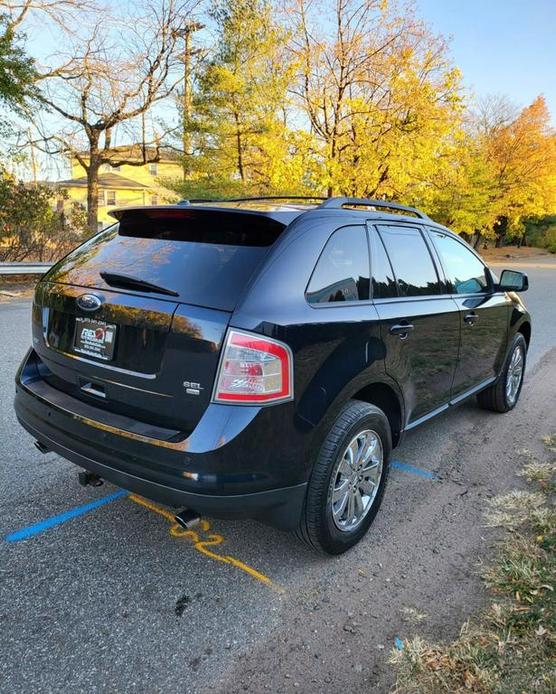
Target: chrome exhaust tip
(41, 447)
(187, 518)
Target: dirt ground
(496, 254)
(16, 288)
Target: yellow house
(120, 185)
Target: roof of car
(285, 209)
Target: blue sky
(501, 46)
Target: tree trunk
(240, 156)
(92, 194)
(239, 148)
(477, 240)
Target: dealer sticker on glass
(94, 338)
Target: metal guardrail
(24, 268)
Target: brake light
(254, 370)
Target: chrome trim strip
(117, 369)
(452, 403)
(141, 390)
(182, 445)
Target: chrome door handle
(470, 318)
(402, 330)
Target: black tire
(317, 527)
(495, 397)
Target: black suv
(260, 358)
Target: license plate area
(95, 338)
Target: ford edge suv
(261, 358)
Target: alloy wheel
(356, 479)
(514, 375)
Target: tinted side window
(465, 273)
(384, 282)
(342, 271)
(411, 260)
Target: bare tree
(61, 12)
(111, 81)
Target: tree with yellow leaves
(379, 93)
(240, 124)
(522, 153)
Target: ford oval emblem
(89, 302)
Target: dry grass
(511, 647)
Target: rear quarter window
(342, 270)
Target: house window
(116, 168)
(110, 197)
(101, 202)
(105, 168)
(154, 200)
(153, 169)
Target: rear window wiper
(115, 279)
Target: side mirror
(513, 281)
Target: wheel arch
(525, 330)
(384, 396)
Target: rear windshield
(206, 257)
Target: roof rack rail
(259, 198)
(277, 197)
(192, 201)
(339, 202)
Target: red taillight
(254, 369)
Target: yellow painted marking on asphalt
(202, 544)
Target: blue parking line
(51, 522)
(406, 467)
(48, 523)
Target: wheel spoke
(340, 490)
(351, 454)
(369, 448)
(367, 486)
(359, 507)
(338, 511)
(345, 468)
(373, 465)
(350, 508)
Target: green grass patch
(511, 647)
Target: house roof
(135, 152)
(105, 180)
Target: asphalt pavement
(101, 593)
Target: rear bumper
(231, 480)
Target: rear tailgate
(164, 362)
(161, 353)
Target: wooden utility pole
(33, 157)
(188, 53)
